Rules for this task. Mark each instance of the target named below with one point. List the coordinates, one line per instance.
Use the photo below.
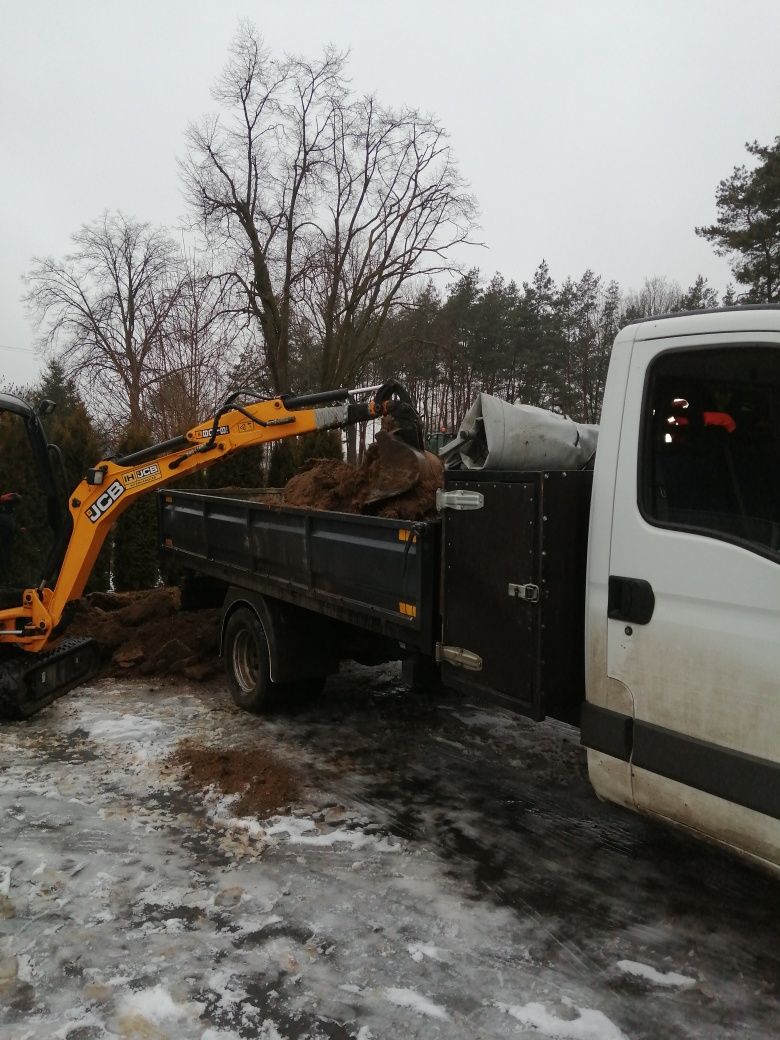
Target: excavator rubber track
(30, 682)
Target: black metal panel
(532, 529)
(368, 571)
(564, 523)
(484, 551)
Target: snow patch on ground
(77, 1019)
(294, 830)
(419, 951)
(299, 832)
(658, 978)
(409, 998)
(156, 1005)
(25, 970)
(588, 1025)
(268, 1031)
(162, 895)
(481, 719)
(143, 738)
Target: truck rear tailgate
(513, 598)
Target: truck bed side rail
(364, 570)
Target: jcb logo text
(141, 476)
(106, 500)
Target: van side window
(710, 457)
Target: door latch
(529, 593)
(459, 657)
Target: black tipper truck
(489, 598)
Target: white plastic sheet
(497, 435)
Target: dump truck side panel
(366, 571)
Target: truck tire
(245, 650)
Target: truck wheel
(246, 662)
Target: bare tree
(322, 205)
(201, 341)
(395, 208)
(104, 308)
(658, 295)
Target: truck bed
(367, 571)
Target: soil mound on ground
(146, 634)
(338, 486)
(266, 783)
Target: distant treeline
(542, 343)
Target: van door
(694, 586)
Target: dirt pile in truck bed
(339, 486)
(146, 634)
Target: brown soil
(145, 634)
(266, 783)
(324, 484)
(338, 486)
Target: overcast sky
(593, 133)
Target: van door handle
(630, 599)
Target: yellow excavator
(37, 664)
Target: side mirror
(45, 407)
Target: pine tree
(282, 464)
(72, 430)
(747, 230)
(135, 534)
(699, 295)
(729, 297)
(242, 469)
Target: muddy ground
(146, 634)
(437, 870)
(262, 782)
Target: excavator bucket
(398, 467)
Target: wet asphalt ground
(447, 872)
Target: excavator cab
(34, 518)
(35, 526)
